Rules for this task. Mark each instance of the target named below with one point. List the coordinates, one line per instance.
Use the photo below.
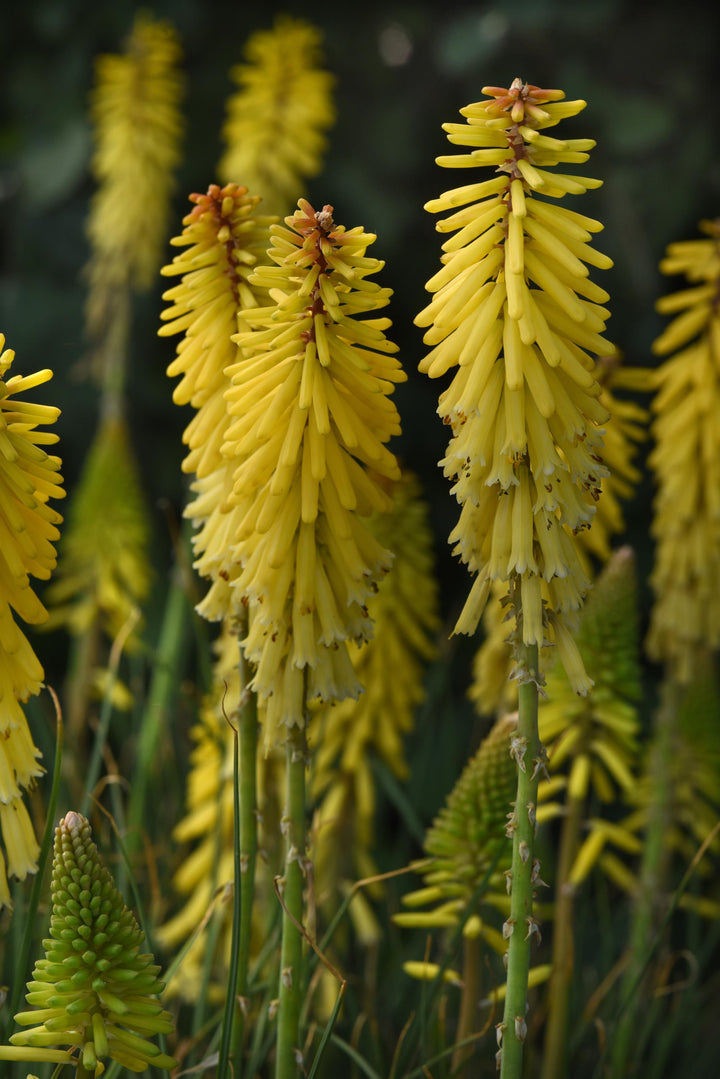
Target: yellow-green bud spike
(94, 987)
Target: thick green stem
(563, 954)
(291, 973)
(652, 871)
(247, 748)
(520, 925)
(468, 1019)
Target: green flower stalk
(274, 132)
(29, 479)
(516, 314)
(465, 848)
(94, 991)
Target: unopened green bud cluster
(94, 990)
(467, 835)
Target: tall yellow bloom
(274, 133)
(686, 460)
(29, 478)
(224, 239)
(135, 110)
(516, 313)
(311, 415)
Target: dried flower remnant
(516, 313)
(310, 416)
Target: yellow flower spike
(311, 463)
(686, 524)
(223, 240)
(515, 313)
(274, 132)
(29, 478)
(138, 124)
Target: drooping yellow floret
(686, 460)
(515, 312)
(224, 239)
(135, 111)
(274, 133)
(491, 688)
(311, 414)
(29, 478)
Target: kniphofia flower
(94, 991)
(138, 124)
(29, 478)
(517, 314)
(274, 132)
(224, 239)
(311, 414)
(686, 460)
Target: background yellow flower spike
(274, 132)
(138, 124)
(516, 314)
(29, 478)
(686, 460)
(310, 415)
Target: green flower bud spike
(94, 991)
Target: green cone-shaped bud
(94, 990)
(470, 829)
(608, 632)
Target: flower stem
(291, 980)
(563, 953)
(248, 746)
(468, 1019)
(652, 872)
(520, 923)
